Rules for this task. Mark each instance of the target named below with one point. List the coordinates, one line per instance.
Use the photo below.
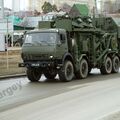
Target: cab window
(62, 38)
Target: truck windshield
(41, 38)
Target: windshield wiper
(43, 41)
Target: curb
(112, 116)
(12, 76)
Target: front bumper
(40, 64)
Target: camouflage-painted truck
(71, 47)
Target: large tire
(50, 73)
(66, 73)
(83, 71)
(33, 74)
(107, 66)
(115, 64)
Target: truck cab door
(62, 46)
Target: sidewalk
(14, 48)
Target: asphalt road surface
(94, 98)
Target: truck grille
(36, 57)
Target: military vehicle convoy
(71, 47)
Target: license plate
(35, 65)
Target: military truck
(71, 47)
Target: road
(94, 98)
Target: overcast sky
(23, 4)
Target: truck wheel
(50, 73)
(66, 73)
(83, 72)
(107, 66)
(115, 66)
(33, 74)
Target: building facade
(37, 4)
(111, 6)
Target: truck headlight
(51, 57)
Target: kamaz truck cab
(43, 52)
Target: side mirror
(62, 38)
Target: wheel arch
(83, 56)
(111, 55)
(67, 56)
(115, 54)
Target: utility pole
(15, 5)
(101, 6)
(96, 9)
(2, 9)
(53, 2)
